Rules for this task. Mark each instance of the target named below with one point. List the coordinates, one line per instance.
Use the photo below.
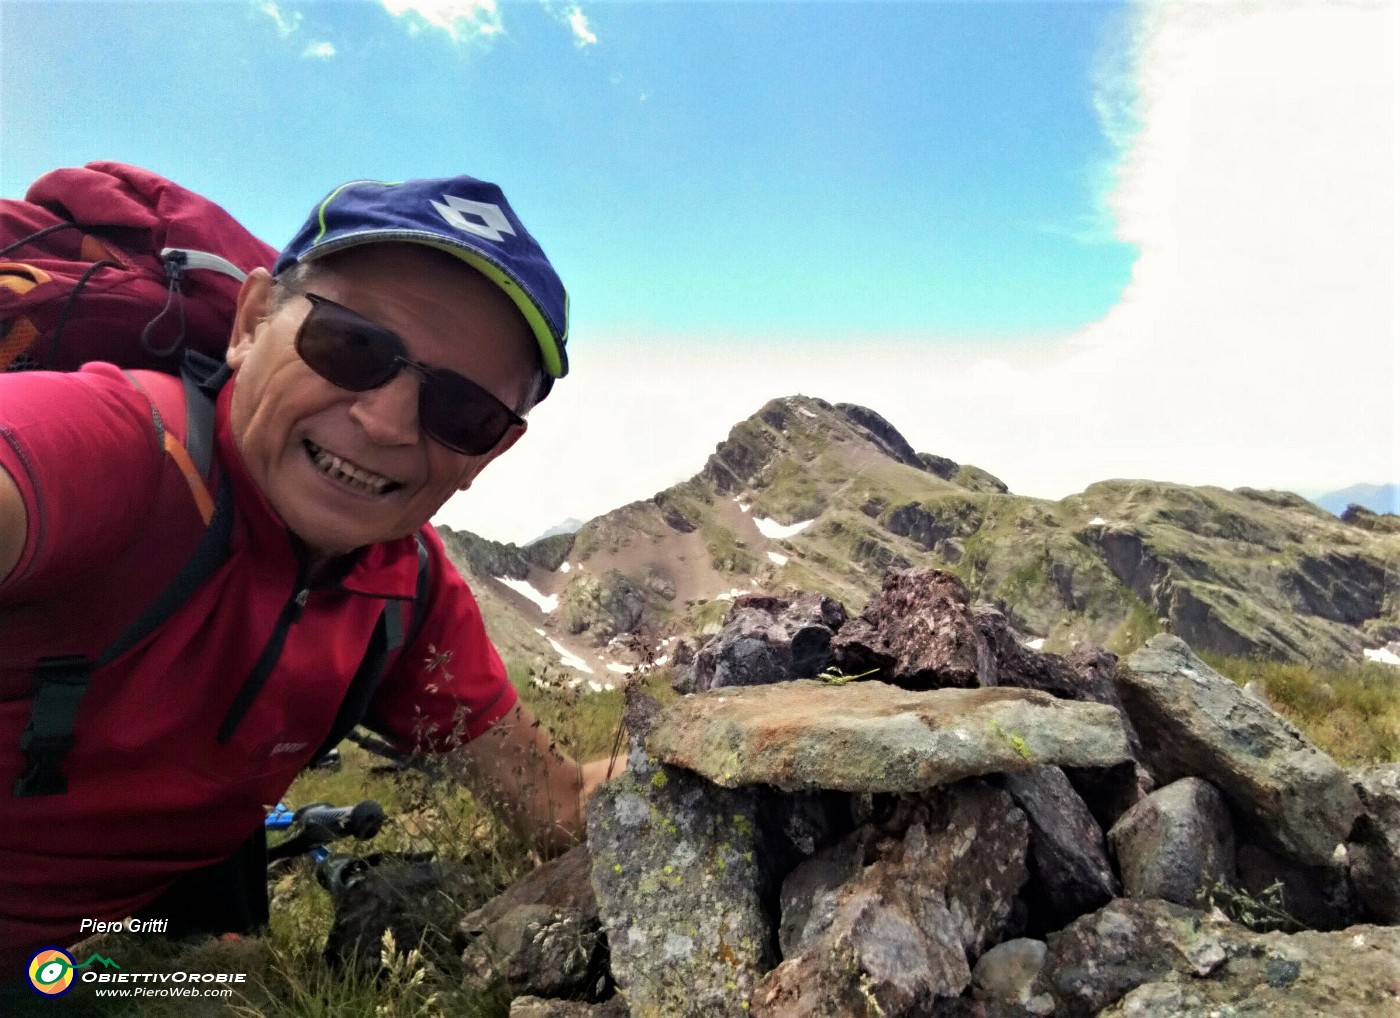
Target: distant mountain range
(569, 526)
(807, 495)
(1379, 498)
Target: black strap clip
(48, 736)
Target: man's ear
(515, 434)
(254, 305)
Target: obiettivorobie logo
(52, 973)
(51, 970)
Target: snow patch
(621, 669)
(1382, 655)
(1036, 644)
(662, 660)
(805, 412)
(730, 595)
(568, 659)
(743, 508)
(540, 631)
(775, 531)
(600, 687)
(1098, 521)
(776, 559)
(565, 567)
(545, 604)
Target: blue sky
(932, 168)
(748, 199)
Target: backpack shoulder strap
(60, 682)
(388, 638)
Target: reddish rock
(918, 633)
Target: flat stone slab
(873, 737)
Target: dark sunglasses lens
(461, 414)
(346, 350)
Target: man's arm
(13, 524)
(520, 769)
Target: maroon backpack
(114, 263)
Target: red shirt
(151, 794)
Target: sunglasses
(355, 354)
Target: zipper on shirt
(267, 660)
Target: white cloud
(462, 20)
(578, 24)
(1256, 343)
(285, 22)
(318, 51)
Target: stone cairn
(944, 822)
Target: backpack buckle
(43, 756)
(48, 737)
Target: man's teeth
(344, 470)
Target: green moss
(1013, 740)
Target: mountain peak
(803, 427)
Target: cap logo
(493, 222)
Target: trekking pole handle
(360, 821)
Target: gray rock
(918, 633)
(882, 433)
(1020, 666)
(811, 891)
(872, 737)
(1176, 844)
(602, 606)
(1008, 974)
(539, 950)
(1070, 870)
(1100, 957)
(765, 639)
(897, 937)
(541, 936)
(563, 883)
(979, 839)
(1375, 855)
(918, 524)
(1194, 722)
(676, 871)
(1153, 959)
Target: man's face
(286, 418)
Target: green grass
(1351, 712)
(727, 553)
(699, 616)
(792, 493)
(286, 975)
(1139, 627)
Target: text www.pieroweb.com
(162, 984)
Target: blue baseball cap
(463, 216)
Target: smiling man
(388, 359)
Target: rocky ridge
(812, 496)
